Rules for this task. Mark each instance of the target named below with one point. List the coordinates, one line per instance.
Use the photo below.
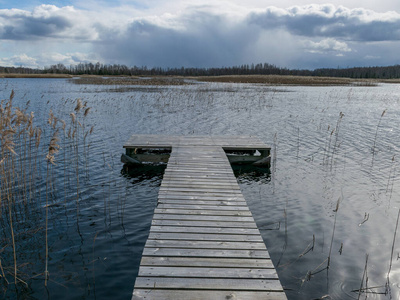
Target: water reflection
(249, 174)
(139, 173)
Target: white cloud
(21, 60)
(45, 21)
(330, 21)
(372, 57)
(326, 45)
(47, 59)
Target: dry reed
(21, 199)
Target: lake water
(329, 144)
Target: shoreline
(289, 80)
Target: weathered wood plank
(202, 185)
(205, 244)
(159, 141)
(209, 284)
(200, 202)
(203, 218)
(205, 252)
(199, 230)
(151, 271)
(211, 181)
(192, 176)
(202, 171)
(151, 293)
(204, 237)
(203, 192)
(202, 196)
(254, 263)
(203, 206)
(201, 188)
(203, 224)
(200, 211)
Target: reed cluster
(28, 158)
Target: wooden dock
(203, 241)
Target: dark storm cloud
(200, 39)
(208, 38)
(30, 28)
(329, 21)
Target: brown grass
(179, 80)
(288, 80)
(35, 76)
(134, 80)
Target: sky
(200, 33)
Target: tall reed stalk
(376, 135)
(21, 200)
(333, 232)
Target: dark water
(329, 144)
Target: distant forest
(389, 72)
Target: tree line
(384, 72)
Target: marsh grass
(35, 76)
(24, 207)
(288, 80)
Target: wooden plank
(209, 172)
(254, 263)
(220, 197)
(201, 188)
(210, 192)
(203, 218)
(205, 244)
(208, 182)
(168, 271)
(193, 223)
(205, 252)
(196, 184)
(199, 161)
(200, 211)
(226, 142)
(209, 284)
(199, 230)
(234, 204)
(204, 237)
(192, 175)
(181, 205)
(152, 293)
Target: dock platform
(203, 241)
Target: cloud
(47, 59)
(326, 45)
(202, 35)
(67, 59)
(196, 39)
(22, 60)
(330, 21)
(45, 21)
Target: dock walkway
(203, 241)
